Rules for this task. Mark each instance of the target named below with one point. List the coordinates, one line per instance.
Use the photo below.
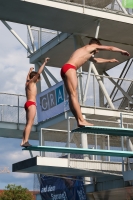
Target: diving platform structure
(60, 167)
(89, 152)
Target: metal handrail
(12, 94)
(14, 111)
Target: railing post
(18, 113)
(69, 139)
(41, 142)
(94, 91)
(108, 147)
(2, 113)
(113, 5)
(93, 157)
(83, 6)
(95, 145)
(128, 148)
(58, 34)
(39, 38)
(122, 140)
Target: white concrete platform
(67, 17)
(59, 166)
(13, 130)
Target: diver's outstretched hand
(113, 60)
(125, 53)
(46, 60)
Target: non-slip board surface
(80, 151)
(104, 130)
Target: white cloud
(14, 63)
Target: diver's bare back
(81, 55)
(31, 91)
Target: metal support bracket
(17, 37)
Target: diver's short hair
(95, 41)
(32, 74)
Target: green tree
(13, 192)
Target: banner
(53, 188)
(127, 3)
(52, 102)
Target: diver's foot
(85, 124)
(26, 144)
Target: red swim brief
(65, 68)
(29, 103)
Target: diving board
(80, 151)
(104, 130)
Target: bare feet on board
(26, 144)
(84, 123)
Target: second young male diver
(30, 105)
(69, 76)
